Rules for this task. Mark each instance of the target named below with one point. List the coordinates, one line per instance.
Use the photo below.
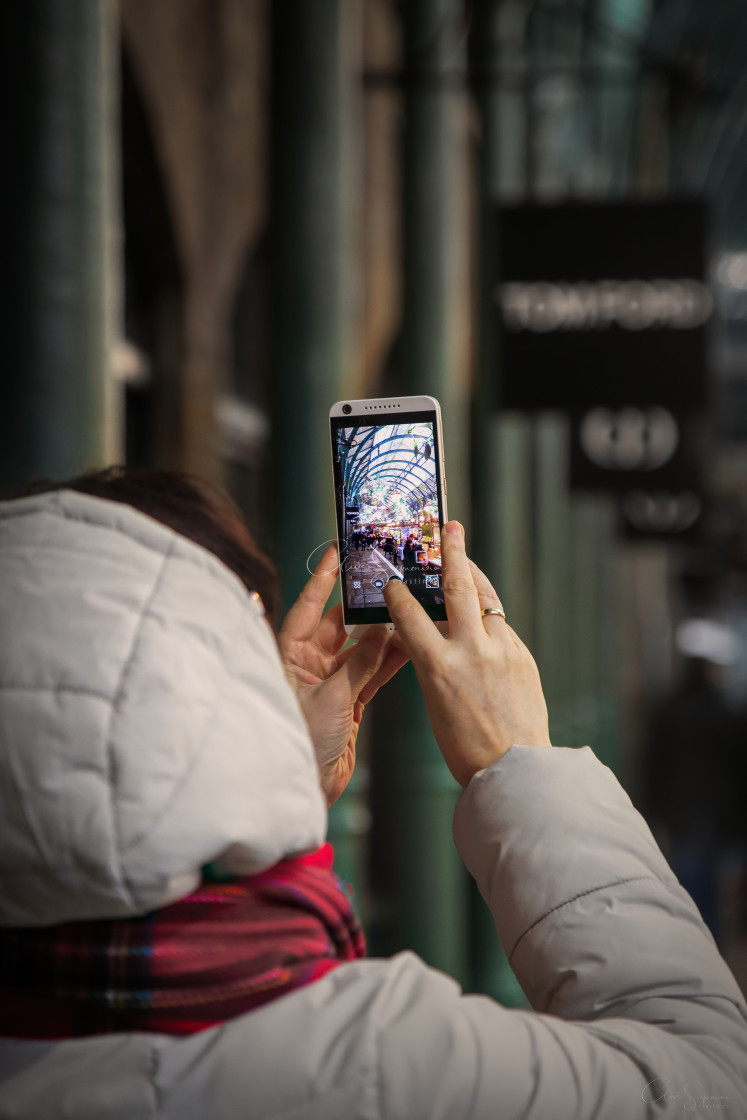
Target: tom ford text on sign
(602, 304)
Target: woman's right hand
(481, 685)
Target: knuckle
(491, 598)
(458, 585)
(404, 608)
(312, 592)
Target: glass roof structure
(388, 470)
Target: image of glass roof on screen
(388, 470)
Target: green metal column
(591, 617)
(612, 608)
(555, 634)
(502, 501)
(58, 205)
(316, 83)
(625, 23)
(428, 909)
(507, 173)
(314, 249)
(595, 587)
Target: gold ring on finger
(494, 610)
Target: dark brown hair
(198, 510)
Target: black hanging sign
(602, 304)
(674, 516)
(631, 448)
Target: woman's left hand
(333, 684)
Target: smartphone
(390, 501)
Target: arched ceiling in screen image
(389, 471)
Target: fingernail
(453, 528)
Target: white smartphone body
(390, 502)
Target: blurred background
(221, 216)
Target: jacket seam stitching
(116, 702)
(152, 1071)
(584, 894)
(57, 509)
(77, 690)
(379, 1072)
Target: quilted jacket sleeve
(639, 1015)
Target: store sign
(633, 305)
(602, 304)
(673, 516)
(626, 449)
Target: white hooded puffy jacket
(146, 728)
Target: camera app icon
(432, 581)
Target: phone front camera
(347, 409)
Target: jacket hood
(146, 724)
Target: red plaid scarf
(223, 950)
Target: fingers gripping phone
(390, 500)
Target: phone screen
(389, 511)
